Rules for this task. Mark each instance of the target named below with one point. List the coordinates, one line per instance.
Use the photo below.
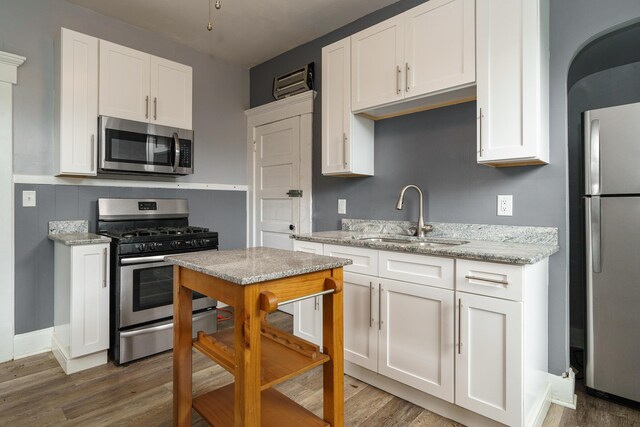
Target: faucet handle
(427, 228)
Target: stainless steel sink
(411, 241)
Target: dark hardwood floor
(34, 391)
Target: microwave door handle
(176, 160)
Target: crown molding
(9, 64)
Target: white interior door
(277, 170)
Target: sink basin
(412, 241)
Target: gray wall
(220, 90)
(435, 150)
(221, 211)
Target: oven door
(128, 146)
(146, 291)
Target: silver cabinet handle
(595, 156)
(155, 108)
(105, 266)
(596, 220)
(370, 304)
(482, 279)
(406, 73)
(146, 107)
(380, 307)
(317, 303)
(93, 152)
(398, 90)
(480, 125)
(344, 148)
(459, 325)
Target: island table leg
(182, 306)
(247, 348)
(332, 338)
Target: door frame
(9, 64)
(295, 106)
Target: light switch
(28, 199)
(342, 206)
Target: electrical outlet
(342, 206)
(28, 199)
(505, 205)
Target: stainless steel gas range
(143, 232)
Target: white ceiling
(245, 32)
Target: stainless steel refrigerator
(612, 197)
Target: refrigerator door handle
(595, 156)
(596, 221)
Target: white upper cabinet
(347, 139)
(124, 82)
(137, 86)
(171, 92)
(427, 50)
(377, 61)
(512, 82)
(77, 122)
(439, 46)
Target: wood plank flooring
(34, 391)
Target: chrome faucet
(421, 230)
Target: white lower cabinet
(488, 357)
(81, 306)
(416, 336)
(361, 320)
(450, 329)
(307, 314)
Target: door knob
(292, 227)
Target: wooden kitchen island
(254, 281)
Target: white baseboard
(77, 364)
(563, 390)
(31, 343)
(540, 409)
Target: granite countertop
(510, 244)
(72, 239)
(253, 265)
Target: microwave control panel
(185, 154)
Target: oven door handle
(128, 334)
(142, 260)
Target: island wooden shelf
(277, 410)
(283, 355)
(254, 282)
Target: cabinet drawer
(365, 261)
(490, 279)
(421, 269)
(308, 247)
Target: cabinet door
(489, 357)
(78, 104)
(336, 106)
(89, 299)
(511, 63)
(361, 320)
(416, 337)
(124, 82)
(307, 314)
(377, 64)
(171, 93)
(440, 46)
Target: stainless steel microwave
(127, 146)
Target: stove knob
(152, 246)
(203, 242)
(141, 247)
(174, 244)
(193, 243)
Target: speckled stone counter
(72, 233)
(506, 244)
(253, 265)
